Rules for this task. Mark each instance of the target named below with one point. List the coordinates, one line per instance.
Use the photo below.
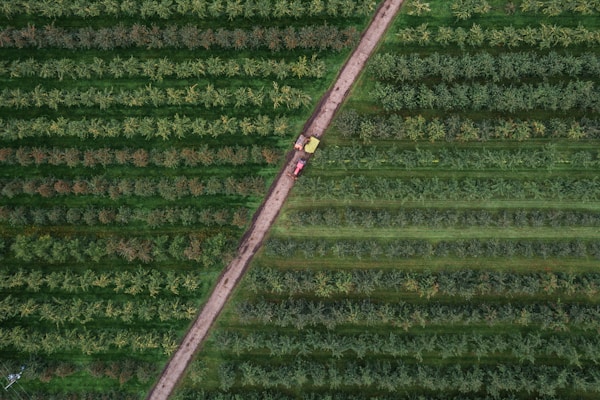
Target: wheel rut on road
(271, 206)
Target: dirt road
(272, 204)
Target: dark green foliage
(462, 283)
(87, 341)
(170, 158)
(159, 69)
(399, 249)
(80, 312)
(301, 313)
(400, 68)
(317, 38)
(176, 128)
(495, 381)
(56, 250)
(143, 281)
(207, 97)
(575, 95)
(543, 36)
(467, 188)
(166, 188)
(154, 218)
(210, 9)
(454, 127)
(441, 218)
(414, 347)
(447, 158)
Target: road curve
(268, 211)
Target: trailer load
(311, 145)
(308, 144)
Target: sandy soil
(272, 204)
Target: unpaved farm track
(268, 211)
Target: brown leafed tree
(114, 192)
(64, 369)
(89, 159)
(271, 156)
(23, 156)
(104, 156)
(240, 39)
(196, 187)
(144, 187)
(207, 38)
(225, 154)
(240, 156)
(46, 189)
(166, 189)
(240, 218)
(190, 157)
(122, 156)
(126, 187)
(206, 156)
(28, 187)
(139, 35)
(181, 186)
(171, 158)
(190, 37)
(98, 186)
(194, 250)
(221, 216)
(140, 158)
(72, 157)
(56, 156)
(39, 155)
(106, 216)
(80, 187)
(7, 155)
(62, 186)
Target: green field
(137, 138)
(443, 242)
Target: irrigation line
(268, 211)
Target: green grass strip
(417, 232)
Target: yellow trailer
(312, 145)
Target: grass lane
(434, 234)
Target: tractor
(299, 165)
(307, 145)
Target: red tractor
(307, 146)
(299, 165)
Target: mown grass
(435, 234)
